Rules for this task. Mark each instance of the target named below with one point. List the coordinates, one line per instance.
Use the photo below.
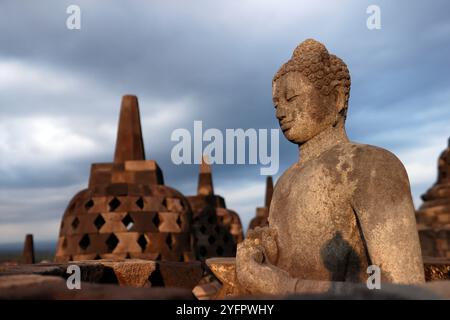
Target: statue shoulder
(374, 158)
(378, 171)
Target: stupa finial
(205, 184)
(129, 143)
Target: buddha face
(302, 111)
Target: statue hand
(267, 238)
(256, 274)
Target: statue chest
(316, 225)
(311, 197)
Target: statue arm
(385, 216)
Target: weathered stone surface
(224, 269)
(342, 207)
(90, 272)
(127, 211)
(433, 216)
(207, 291)
(180, 274)
(133, 273)
(11, 282)
(126, 272)
(437, 269)
(20, 287)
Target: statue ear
(339, 98)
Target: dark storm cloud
(209, 61)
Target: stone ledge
(127, 272)
(32, 286)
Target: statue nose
(280, 113)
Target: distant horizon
(39, 245)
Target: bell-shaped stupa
(433, 217)
(127, 211)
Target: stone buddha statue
(343, 206)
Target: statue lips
(285, 125)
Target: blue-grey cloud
(212, 61)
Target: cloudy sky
(60, 89)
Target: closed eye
(292, 98)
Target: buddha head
(310, 92)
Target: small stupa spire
(129, 143)
(269, 191)
(28, 250)
(444, 165)
(205, 183)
